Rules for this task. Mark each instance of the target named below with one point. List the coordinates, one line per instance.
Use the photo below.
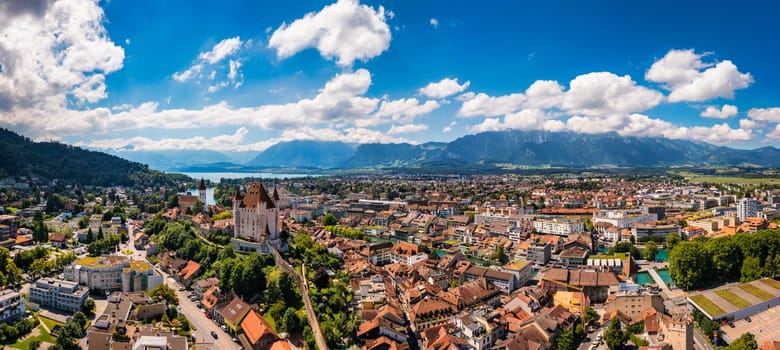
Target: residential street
(202, 325)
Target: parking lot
(764, 325)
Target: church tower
(202, 193)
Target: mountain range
(519, 148)
(485, 150)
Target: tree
(726, 257)
(100, 234)
(566, 341)
(173, 201)
(588, 224)
(751, 269)
(37, 268)
(35, 344)
(625, 247)
(746, 341)
(164, 292)
(499, 254)
(88, 307)
(671, 241)
(687, 263)
(329, 220)
(197, 208)
(291, 322)
(650, 250)
(321, 279)
(615, 337)
(90, 236)
(590, 315)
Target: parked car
(214, 334)
(748, 319)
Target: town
(566, 261)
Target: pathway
(303, 285)
(658, 280)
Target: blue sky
(243, 75)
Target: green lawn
(49, 322)
(732, 298)
(757, 292)
(724, 179)
(707, 305)
(770, 282)
(25, 344)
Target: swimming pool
(644, 278)
(662, 255)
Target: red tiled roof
(255, 327)
(189, 270)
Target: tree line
(744, 257)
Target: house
(234, 313)
(388, 322)
(203, 285)
(58, 240)
(595, 284)
(188, 273)
(574, 256)
(257, 333)
(506, 282)
(430, 312)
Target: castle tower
(679, 331)
(202, 193)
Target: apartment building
(11, 306)
(558, 226)
(58, 294)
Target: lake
(215, 177)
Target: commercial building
(113, 273)
(58, 294)
(658, 233)
(623, 218)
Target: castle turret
(202, 192)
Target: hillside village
(390, 262)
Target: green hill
(20, 156)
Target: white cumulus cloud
(212, 61)
(407, 129)
(448, 128)
(724, 112)
(346, 31)
(445, 87)
(688, 78)
(221, 50)
(771, 115)
(482, 104)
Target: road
(202, 325)
(304, 287)
(700, 342)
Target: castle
(255, 219)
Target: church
(256, 220)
